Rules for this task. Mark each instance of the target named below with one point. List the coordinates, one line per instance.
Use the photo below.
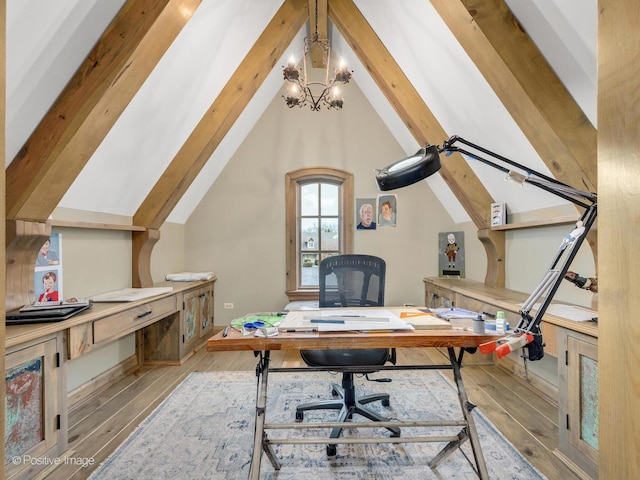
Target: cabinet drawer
(438, 298)
(131, 320)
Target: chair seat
(346, 357)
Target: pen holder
(478, 324)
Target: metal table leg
(260, 442)
(469, 432)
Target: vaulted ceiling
(152, 97)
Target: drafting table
(419, 338)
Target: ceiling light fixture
(304, 88)
(304, 91)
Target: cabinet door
(578, 389)
(35, 423)
(190, 327)
(206, 311)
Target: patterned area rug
(204, 430)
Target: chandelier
(306, 91)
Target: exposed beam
(527, 86)
(3, 146)
(221, 115)
(318, 23)
(619, 270)
(392, 81)
(92, 101)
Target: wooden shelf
(538, 223)
(95, 225)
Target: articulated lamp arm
(527, 333)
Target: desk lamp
(426, 162)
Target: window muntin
(319, 231)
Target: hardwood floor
(99, 424)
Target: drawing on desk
(359, 320)
(454, 312)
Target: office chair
(349, 281)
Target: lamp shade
(409, 170)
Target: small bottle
(501, 322)
(478, 324)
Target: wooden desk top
(334, 340)
(508, 300)
(17, 334)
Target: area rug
(204, 430)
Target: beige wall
(238, 230)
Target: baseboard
(102, 381)
(572, 465)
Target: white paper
(354, 319)
(130, 294)
(570, 312)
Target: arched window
(319, 206)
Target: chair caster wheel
(299, 416)
(385, 402)
(331, 451)
(335, 393)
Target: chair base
(348, 405)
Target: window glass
(309, 199)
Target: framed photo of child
(47, 279)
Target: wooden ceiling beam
(527, 86)
(89, 106)
(423, 125)
(397, 88)
(318, 22)
(222, 114)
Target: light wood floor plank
(102, 422)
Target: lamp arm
(527, 333)
(538, 179)
(567, 251)
(549, 285)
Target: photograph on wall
(47, 280)
(366, 210)
(451, 254)
(387, 209)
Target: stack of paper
(188, 276)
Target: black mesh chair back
(349, 281)
(352, 281)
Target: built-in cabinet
(175, 338)
(169, 328)
(571, 349)
(35, 406)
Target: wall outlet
(228, 306)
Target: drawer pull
(145, 314)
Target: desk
(449, 339)
(169, 327)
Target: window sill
(302, 295)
